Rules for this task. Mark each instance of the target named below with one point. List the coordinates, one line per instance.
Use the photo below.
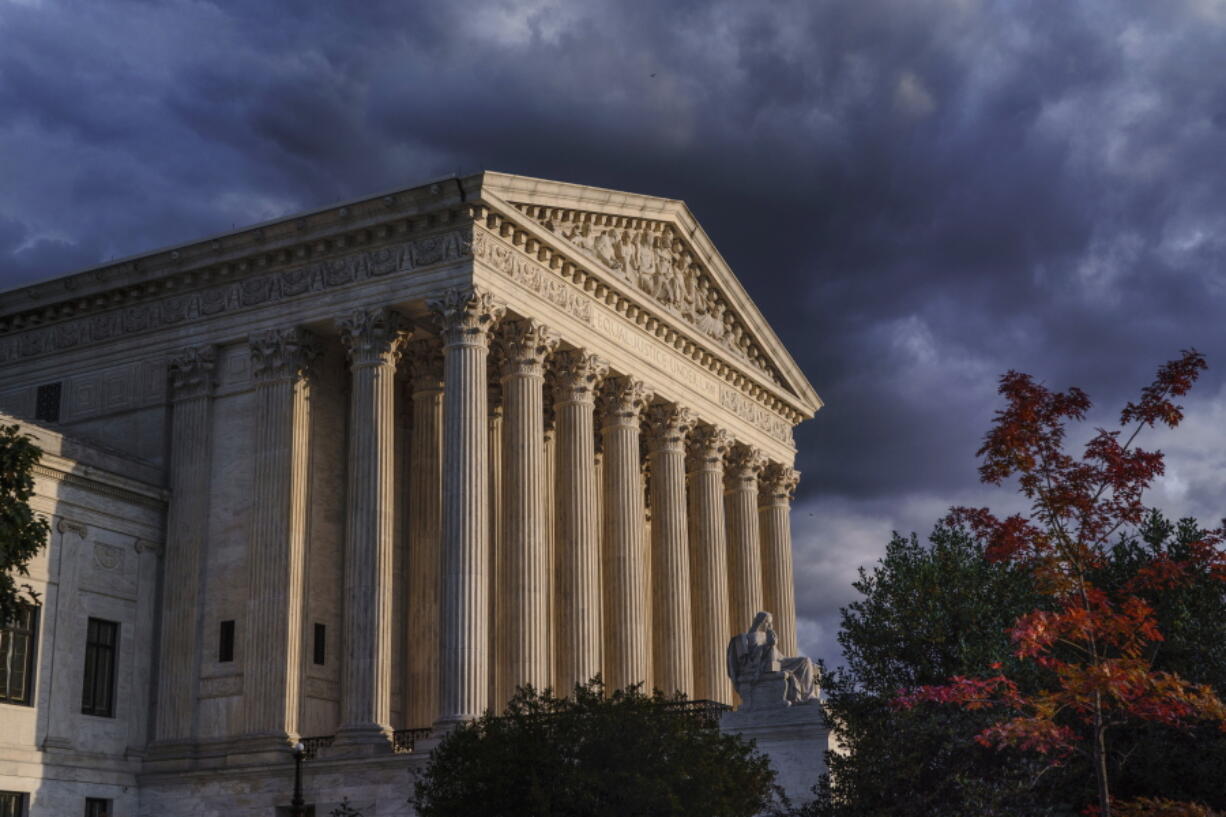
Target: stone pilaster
(744, 541)
(374, 339)
(425, 530)
(709, 562)
(281, 372)
(522, 622)
(578, 538)
(467, 316)
(672, 637)
(191, 445)
(776, 489)
(627, 643)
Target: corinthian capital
(374, 336)
(524, 344)
(576, 376)
(623, 400)
(279, 354)
(425, 356)
(667, 426)
(744, 463)
(707, 448)
(466, 315)
(192, 372)
(777, 485)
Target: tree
(594, 754)
(22, 533)
(1094, 644)
(935, 610)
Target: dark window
(321, 644)
(12, 804)
(47, 403)
(18, 642)
(225, 642)
(101, 646)
(97, 807)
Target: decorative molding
(466, 315)
(425, 359)
(374, 336)
(157, 500)
(145, 546)
(708, 445)
(777, 484)
(524, 344)
(623, 400)
(193, 372)
(667, 426)
(531, 276)
(67, 526)
(155, 309)
(283, 354)
(108, 557)
(576, 374)
(742, 466)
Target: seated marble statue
(753, 657)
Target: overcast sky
(919, 194)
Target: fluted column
(280, 369)
(425, 530)
(551, 526)
(776, 489)
(744, 541)
(709, 562)
(578, 541)
(467, 316)
(624, 562)
(191, 443)
(494, 409)
(374, 339)
(523, 621)
(672, 637)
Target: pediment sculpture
(762, 676)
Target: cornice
(534, 242)
(299, 239)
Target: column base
(360, 741)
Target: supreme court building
(356, 474)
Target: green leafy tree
(932, 612)
(22, 533)
(594, 754)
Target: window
(97, 807)
(47, 403)
(98, 693)
(321, 644)
(12, 804)
(18, 642)
(225, 642)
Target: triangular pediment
(654, 248)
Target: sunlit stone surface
(398, 449)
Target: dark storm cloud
(919, 194)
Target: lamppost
(297, 808)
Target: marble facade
(421, 448)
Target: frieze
(531, 276)
(756, 415)
(108, 557)
(251, 291)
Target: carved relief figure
(753, 658)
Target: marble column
(578, 538)
(281, 372)
(709, 562)
(551, 525)
(374, 339)
(744, 541)
(776, 489)
(425, 530)
(672, 637)
(191, 445)
(467, 316)
(494, 408)
(627, 645)
(522, 622)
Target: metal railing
(404, 741)
(312, 745)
